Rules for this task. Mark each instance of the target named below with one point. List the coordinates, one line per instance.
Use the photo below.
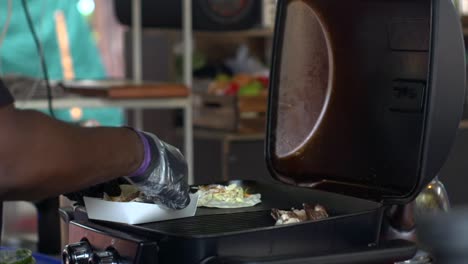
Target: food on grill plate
(309, 213)
(130, 193)
(220, 196)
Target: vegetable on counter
(252, 89)
(19, 256)
(239, 85)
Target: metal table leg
(138, 118)
(48, 226)
(188, 80)
(188, 141)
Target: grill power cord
(40, 52)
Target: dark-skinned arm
(42, 157)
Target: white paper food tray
(135, 213)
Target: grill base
(208, 225)
(250, 232)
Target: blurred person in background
(70, 46)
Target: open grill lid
(365, 95)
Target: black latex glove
(112, 188)
(165, 182)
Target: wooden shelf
(229, 136)
(465, 32)
(464, 20)
(464, 124)
(249, 33)
(256, 32)
(91, 102)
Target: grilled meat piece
(285, 217)
(309, 213)
(315, 213)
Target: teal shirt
(18, 53)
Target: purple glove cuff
(147, 155)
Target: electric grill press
(365, 101)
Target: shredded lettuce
(232, 196)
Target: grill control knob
(78, 253)
(105, 257)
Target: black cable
(40, 51)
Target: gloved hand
(111, 188)
(163, 174)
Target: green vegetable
(20, 256)
(199, 60)
(223, 78)
(251, 89)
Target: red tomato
(232, 90)
(264, 81)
